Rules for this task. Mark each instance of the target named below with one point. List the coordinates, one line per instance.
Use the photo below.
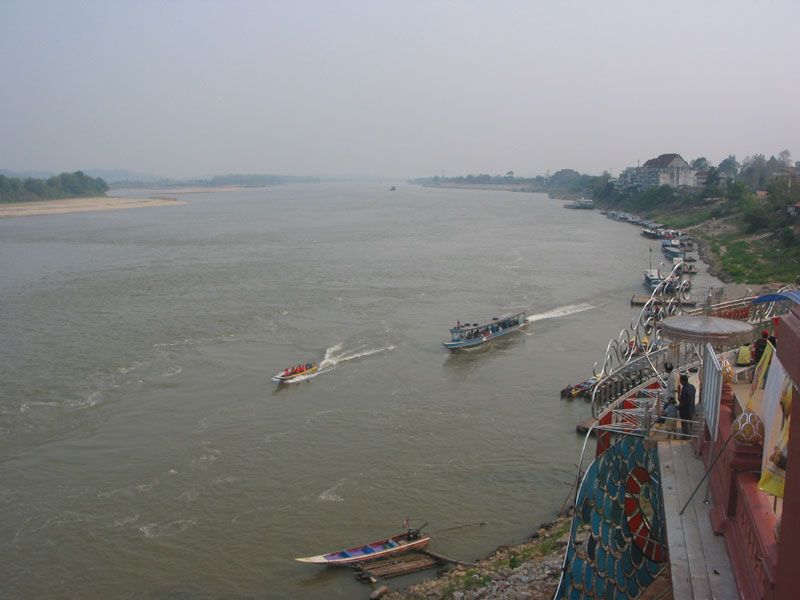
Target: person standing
(761, 345)
(671, 418)
(686, 404)
(672, 383)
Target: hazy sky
(396, 89)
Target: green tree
(700, 164)
(65, 185)
(783, 191)
(756, 218)
(754, 171)
(729, 167)
(713, 177)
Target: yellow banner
(758, 375)
(773, 476)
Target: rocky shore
(529, 570)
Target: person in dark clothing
(686, 404)
(760, 346)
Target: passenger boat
(281, 377)
(674, 252)
(410, 540)
(584, 388)
(469, 336)
(650, 233)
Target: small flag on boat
(405, 523)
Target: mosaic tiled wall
(618, 542)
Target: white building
(667, 169)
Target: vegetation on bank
(65, 185)
(742, 211)
(15, 187)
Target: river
(145, 453)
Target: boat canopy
(793, 295)
(468, 327)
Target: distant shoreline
(192, 189)
(77, 205)
(501, 187)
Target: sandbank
(74, 205)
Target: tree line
(65, 185)
(755, 194)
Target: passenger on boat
(286, 372)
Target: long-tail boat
(410, 540)
(281, 377)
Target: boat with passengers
(468, 336)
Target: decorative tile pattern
(618, 541)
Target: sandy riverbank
(74, 205)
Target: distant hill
(26, 174)
(220, 181)
(117, 176)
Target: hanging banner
(773, 477)
(771, 402)
(758, 376)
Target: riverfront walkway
(699, 560)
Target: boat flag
(405, 523)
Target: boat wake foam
(561, 311)
(335, 355)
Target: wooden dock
(586, 425)
(642, 300)
(374, 571)
(402, 564)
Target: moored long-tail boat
(410, 540)
(468, 336)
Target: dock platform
(642, 300)
(402, 564)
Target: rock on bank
(529, 570)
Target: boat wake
(561, 311)
(335, 355)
